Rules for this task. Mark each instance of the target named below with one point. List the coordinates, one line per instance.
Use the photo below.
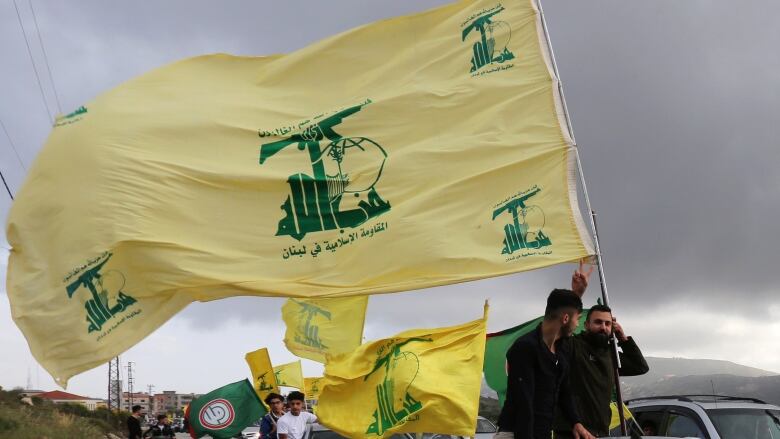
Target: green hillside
(45, 420)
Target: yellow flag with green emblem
(263, 376)
(313, 387)
(420, 380)
(324, 326)
(405, 154)
(289, 374)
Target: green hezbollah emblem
(525, 231)
(107, 300)
(279, 380)
(317, 201)
(400, 370)
(306, 332)
(494, 39)
(264, 386)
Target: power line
(11, 142)
(32, 60)
(45, 58)
(6, 186)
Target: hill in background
(665, 368)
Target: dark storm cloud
(675, 107)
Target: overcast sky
(675, 106)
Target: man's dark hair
(136, 408)
(560, 300)
(295, 396)
(271, 396)
(161, 417)
(598, 308)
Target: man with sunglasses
(268, 423)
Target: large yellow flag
(423, 380)
(313, 387)
(324, 326)
(263, 376)
(289, 374)
(413, 152)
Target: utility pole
(114, 385)
(152, 408)
(130, 384)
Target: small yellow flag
(320, 327)
(263, 376)
(289, 374)
(419, 380)
(313, 387)
(615, 421)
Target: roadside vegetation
(46, 420)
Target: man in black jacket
(134, 424)
(593, 373)
(162, 429)
(537, 381)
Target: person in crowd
(292, 425)
(649, 428)
(592, 376)
(538, 371)
(162, 429)
(269, 421)
(134, 423)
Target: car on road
(706, 417)
(251, 433)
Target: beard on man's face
(597, 338)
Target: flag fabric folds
(289, 375)
(496, 347)
(312, 387)
(416, 151)
(322, 326)
(224, 412)
(263, 376)
(615, 420)
(419, 380)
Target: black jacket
(593, 380)
(161, 431)
(537, 385)
(134, 428)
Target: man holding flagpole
(538, 371)
(593, 370)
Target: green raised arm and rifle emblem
(107, 296)
(345, 166)
(394, 403)
(307, 332)
(277, 375)
(525, 230)
(263, 385)
(494, 37)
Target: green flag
(224, 412)
(496, 347)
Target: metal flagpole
(599, 262)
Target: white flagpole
(592, 216)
